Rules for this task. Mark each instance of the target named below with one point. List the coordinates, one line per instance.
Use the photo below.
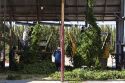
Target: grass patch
(35, 71)
(13, 77)
(84, 74)
(44, 67)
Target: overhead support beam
(59, 5)
(45, 23)
(53, 18)
(52, 14)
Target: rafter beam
(105, 8)
(30, 5)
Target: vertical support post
(10, 34)
(86, 23)
(4, 32)
(122, 21)
(10, 22)
(37, 7)
(122, 33)
(118, 42)
(62, 40)
(120, 37)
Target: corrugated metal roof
(74, 9)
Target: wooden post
(62, 40)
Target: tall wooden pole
(62, 40)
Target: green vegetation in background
(42, 32)
(38, 34)
(74, 31)
(112, 31)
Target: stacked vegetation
(89, 45)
